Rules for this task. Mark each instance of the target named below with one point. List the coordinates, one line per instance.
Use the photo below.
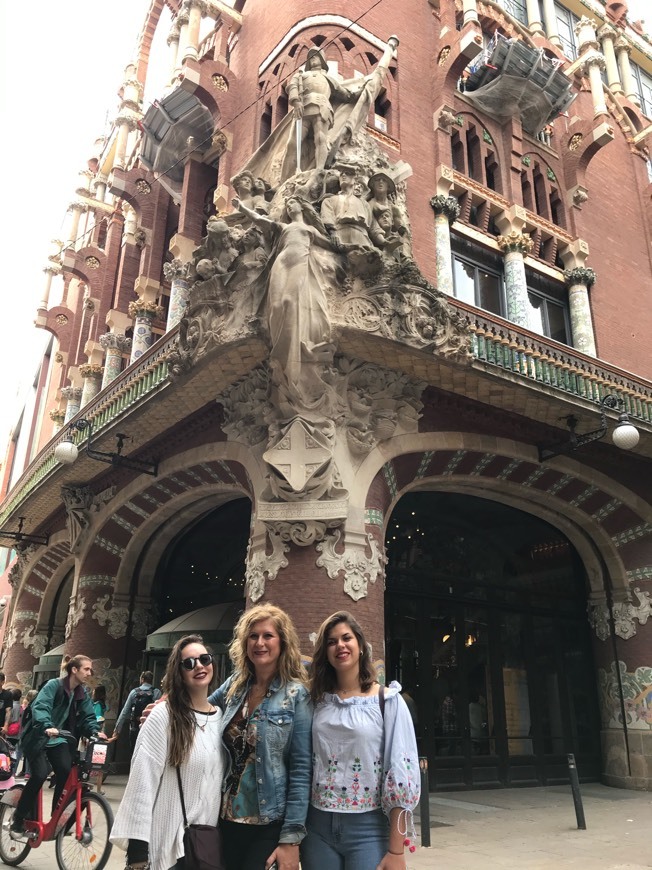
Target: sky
(60, 75)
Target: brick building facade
(408, 418)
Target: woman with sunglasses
(365, 781)
(267, 727)
(183, 732)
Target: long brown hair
(323, 676)
(290, 666)
(182, 719)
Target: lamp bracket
(576, 441)
(21, 537)
(116, 459)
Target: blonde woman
(184, 732)
(267, 727)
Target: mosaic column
(579, 281)
(144, 314)
(92, 375)
(57, 416)
(72, 396)
(447, 210)
(114, 344)
(515, 247)
(177, 273)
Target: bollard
(577, 797)
(424, 803)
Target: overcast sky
(60, 75)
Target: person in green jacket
(62, 705)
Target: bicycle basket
(8, 760)
(95, 756)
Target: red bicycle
(81, 821)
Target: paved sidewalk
(506, 829)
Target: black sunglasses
(191, 662)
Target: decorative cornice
(515, 242)
(90, 370)
(141, 308)
(580, 275)
(446, 205)
(115, 340)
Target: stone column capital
(77, 206)
(126, 118)
(585, 32)
(141, 308)
(176, 270)
(57, 415)
(515, 242)
(115, 340)
(91, 371)
(68, 393)
(607, 31)
(622, 44)
(580, 275)
(446, 205)
(594, 59)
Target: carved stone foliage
(23, 554)
(80, 503)
(625, 614)
(37, 643)
(75, 614)
(247, 407)
(359, 568)
(262, 566)
(115, 618)
(414, 315)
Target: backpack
(26, 718)
(13, 729)
(142, 698)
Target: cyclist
(62, 704)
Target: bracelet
(396, 853)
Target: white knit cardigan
(151, 806)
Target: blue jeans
(344, 841)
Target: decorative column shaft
(195, 8)
(173, 43)
(608, 35)
(114, 344)
(579, 282)
(515, 247)
(593, 66)
(470, 10)
(447, 210)
(177, 273)
(182, 24)
(92, 375)
(550, 20)
(72, 397)
(144, 314)
(76, 210)
(623, 49)
(535, 24)
(50, 272)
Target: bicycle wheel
(12, 852)
(94, 848)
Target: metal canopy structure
(512, 78)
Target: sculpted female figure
(297, 308)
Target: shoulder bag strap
(381, 701)
(183, 803)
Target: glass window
(516, 8)
(478, 286)
(549, 317)
(566, 22)
(644, 89)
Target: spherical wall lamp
(625, 435)
(66, 452)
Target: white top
(360, 761)
(151, 805)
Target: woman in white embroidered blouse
(183, 732)
(365, 781)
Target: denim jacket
(283, 753)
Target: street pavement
(504, 829)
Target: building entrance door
(498, 663)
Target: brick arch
(28, 604)
(606, 522)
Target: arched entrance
(487, 630)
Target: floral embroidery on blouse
(360, 761)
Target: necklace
(253, 699)
(206, 713)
